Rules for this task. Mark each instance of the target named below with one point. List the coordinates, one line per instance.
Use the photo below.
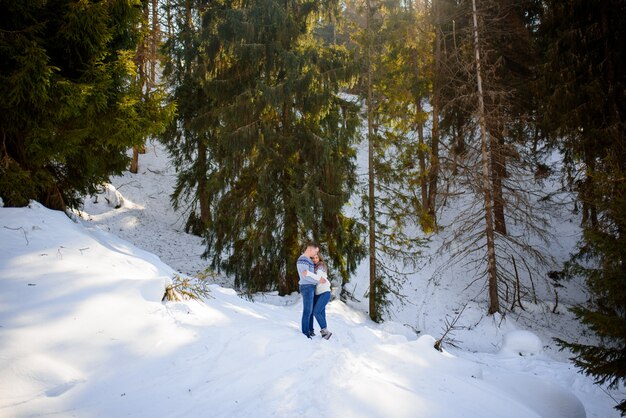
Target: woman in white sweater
(322, 295)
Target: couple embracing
(315, 290)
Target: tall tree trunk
(170, 23)
(422, 158)
(142, 64)
(203, 197)
(155, 38)
(494, 305)
(53, 199)
(373, 302)
(289, 283)
(498, 171)
(434, 146)
(134, 162)
(589, 209)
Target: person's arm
(303, 266)
(321, 274)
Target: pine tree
(147, 60)
(488, 187)
(487, 116)
(433, 175)
(586, 113)
(405, 83)
(377, 291)
(395, 85)
(186, 141)
(278, 139)
(71, 105)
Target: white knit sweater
(318, 275)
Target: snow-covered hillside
(443, 285)
(84, 333)
(81, 319)
(137, 207)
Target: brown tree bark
(373, 297)
(498, 171)
(492, 273)
(433, 175)
(289, 283)
(205, 212)
(155, 40)
(422, 158)
(134, 162)
(53, 199)
(141, 62)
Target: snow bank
(74, 306)
(144, 214)
(84, 334)
(520, 342)
(545, 398)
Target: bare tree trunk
(155, 39)
(53, 198)
(422, 158)
(201, 162)
(289, 283)
(373, 302)
(141, 61)
(170, 24)
(517, 285)
(203, 196)
(494, 305)
(589, 210)
(530, 277)
(134, 162)
(434, 146)
(498, 171)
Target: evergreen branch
(448, 329)
(186, 288)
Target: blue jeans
(308, 294)
(319, 309)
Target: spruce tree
(71, 106)
(489, 120)
(187, 141)
(395, 86)
(147, 60)
(278, 137)
(299, 167)
(585, 110)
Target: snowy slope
(144, 214)
(439, 287)
(434, 293)
(83, 333)
(144, 217)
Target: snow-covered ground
(439, 288)
(137, 207)
(84, 333)
(144, 214)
